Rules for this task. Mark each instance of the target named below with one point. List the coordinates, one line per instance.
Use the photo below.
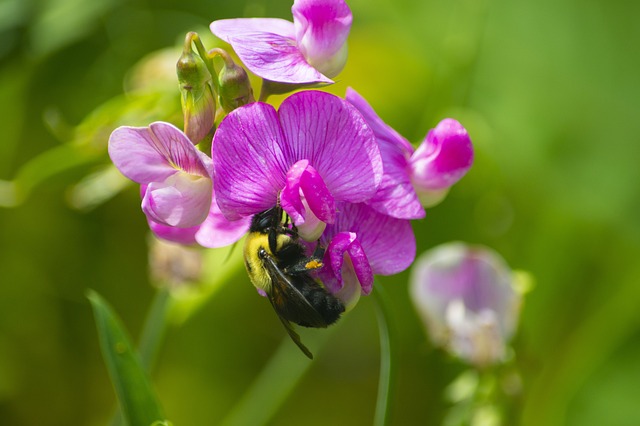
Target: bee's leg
(307, 264)
(318, 253)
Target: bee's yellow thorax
(252, 262)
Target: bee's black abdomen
(326, 304)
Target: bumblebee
(278, 266)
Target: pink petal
(322, 27)
(152, 154)
(304, 180)
(346, 243)
(250, 165)
(384, 133)
(227, 28)
(396, 196)
(267, 47)
(443, 158)
(216, 231)
(186, 236)
(290, 199)
(182, 200)
(333, 136)
(388, 242)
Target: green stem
(387, 358)
(193, 37)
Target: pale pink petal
(182, 200)
(227, 28)
(152, 154)
(268, 48)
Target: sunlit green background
(548, 90)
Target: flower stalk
(388, 357)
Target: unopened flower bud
(468, 300)
(198, 102)
(235, 88)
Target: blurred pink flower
(466, 298)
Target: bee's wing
(294, 336)
(288, 301)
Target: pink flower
(466, 297)
(424, 175)
(312, 49)
(176, 187)
(316, 150)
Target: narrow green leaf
(135, 394)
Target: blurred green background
(548, 91)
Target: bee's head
(268, 219)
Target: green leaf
(137, 398)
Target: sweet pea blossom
(311, 49)
(416, 178)
(315, 151)
(466, 297)
(362, 243)
(176, 187)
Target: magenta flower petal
(249, 163)
(322, 27)
(382, 130)
(216, 231)
(186, 236)
(396, 196)
(255, 148)
(388, 242)
(290, 198)
(269, 52)
(443, 158)
(332, 135)
(304, 180)
(152, 154)
(342, 244)
(320, 200)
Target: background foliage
(549, 93)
